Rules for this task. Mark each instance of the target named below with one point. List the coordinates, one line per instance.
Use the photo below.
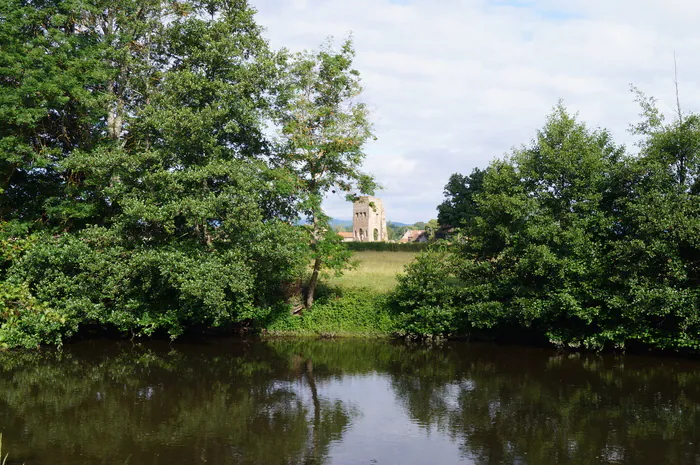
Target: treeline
(387, 246)
(572, 239)
(156, 160)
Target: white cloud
(454, 84)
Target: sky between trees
(456, 84)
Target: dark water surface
(345, 402)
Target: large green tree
(137, 139)
(52, 101)
(654, 261)
(531, 253)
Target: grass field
(376, 270)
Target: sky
(453, 84)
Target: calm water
(347, 402)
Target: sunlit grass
(376, 270)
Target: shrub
(425, 301)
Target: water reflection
(525, 406)
(238, 404)
(323, 402)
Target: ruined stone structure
(369, 220)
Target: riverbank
(338, 312)
(352, 305)
(365, 303)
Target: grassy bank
(337, 313)
(352, 305)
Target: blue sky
(453, 84)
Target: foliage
(431, 228)
(92, 279)
(571, 238)
(337, 312)
(50, 102)
(394, 231)
(24, 320)
(425, 299)
(141, 191)
(460, 206)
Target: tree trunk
(115, 122)
(312, 284)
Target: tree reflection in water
(241, 404)
(511, 405)
(238, 402)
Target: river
(234, 401)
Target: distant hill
(342, 223)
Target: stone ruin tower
(369, 220)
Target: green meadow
(375, 270)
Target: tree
(460, 206)
(574, 241)
(654, 254)
(51, 86)
(395, 231)
(676, 145)
(325, 128)
(432, 227)
(534, 248)
(532, 257)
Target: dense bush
(93, 279)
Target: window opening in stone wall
(376, 234)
